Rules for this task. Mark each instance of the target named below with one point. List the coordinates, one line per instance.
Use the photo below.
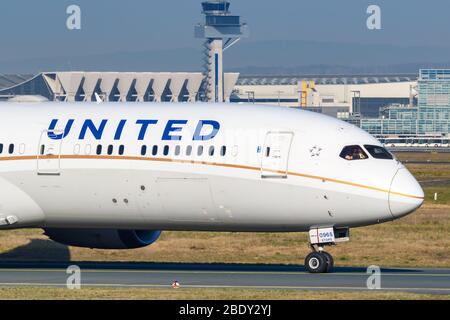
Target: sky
(37, 28)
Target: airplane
(115, 175)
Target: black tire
(316, 262)
(330, 261)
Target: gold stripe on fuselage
(215, 164)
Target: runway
(277, 277)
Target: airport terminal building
(431, 116)
(338, 96)
(335, 95)
(111, 86)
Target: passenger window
(267, 152)
(353, 153)
(76, 149)
(211, 151)
(166, 151)
(144, 150)
(235, 151)
(87, 149)
(189, 151)
(379, 152)
(155, 150)
(223, 151)
(42, 149)
(22, 148)
(11, 148)
(177, 150)
(110, 149)
(1, 147)
(121, 150)
(99, 149)
(200, 151)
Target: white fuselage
(205, 167)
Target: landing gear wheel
(316, 262)
(330, 261)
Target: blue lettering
(215, 126)
(144, 127)
(96, 132)
(119, 130)
(52, 135)
(205, 130)
(171, 127)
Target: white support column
(159, 84)
(230, 80)
(176, 84)
(124, 85)
(215, 77)
(90, 82)
(108, 79)
(70, 82)
(193, 85)
(54, 84)
(142, 83)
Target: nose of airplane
(406, 194)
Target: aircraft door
(49, 154)
(275, 155)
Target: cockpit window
(353, 153)
(379, 152)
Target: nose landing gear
(319, 262)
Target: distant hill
(301, 57)
(268, 57)
(411, 68)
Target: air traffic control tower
(221, 30)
